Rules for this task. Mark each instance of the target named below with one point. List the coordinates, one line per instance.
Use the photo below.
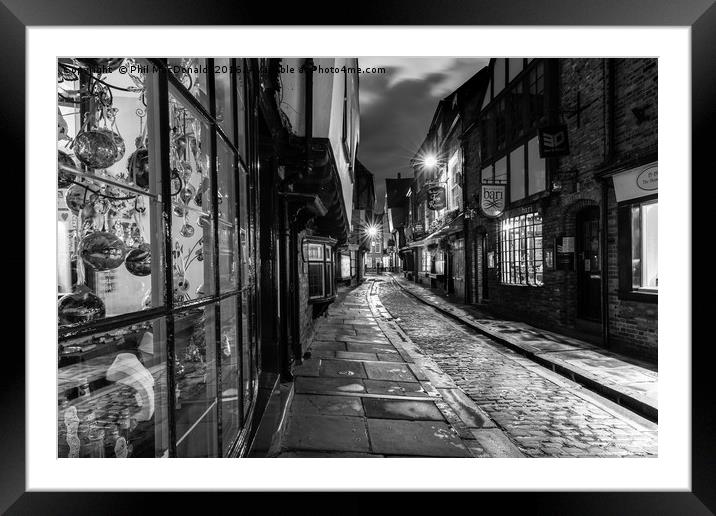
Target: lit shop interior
(156, 254)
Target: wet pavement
(544, 414)
(366, 392)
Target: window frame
(507, 253)
(626, 290)
(328, 266)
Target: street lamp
(372, 231)
(430, 161)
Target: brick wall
(583, 87)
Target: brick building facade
(565, 254)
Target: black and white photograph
(357, 257)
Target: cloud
(397, 107)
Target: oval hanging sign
(436, 198)
(492, 200)
(648, 179)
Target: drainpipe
(604, 186)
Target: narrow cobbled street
(543, 413)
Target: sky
(397, 107)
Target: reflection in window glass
(241, 106)
(191, 72)
(112, 393)
(228, 252)
(195, 380)
(222, 84)
(230, 373)
(192, 221)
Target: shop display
(64, 179)
(102, 250)
(139, 260)
(114, 358)
(80, 306)
(98, 148)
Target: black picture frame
(700, 15)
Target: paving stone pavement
(630, 382)
(544, 414)
(362, 394)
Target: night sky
(396, 109)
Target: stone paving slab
(342, 369)
(411, 410)
(390, 371)
(356, 355)
(317, 385)
(327, 433)
(363, 347)
(313, 404)
(630, 383)
(419, 438)
(394, 388)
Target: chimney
(398, 175)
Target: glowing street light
(430, 161)
(372, 231)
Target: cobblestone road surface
(543, 413)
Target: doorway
(589, 271)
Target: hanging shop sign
(553, 141)
(437, 199)
(492, 200)
(637, 182)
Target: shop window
(192, 73)
(638, 243)
(195, 380)
(112, 399)
(113, 377)
(224, 96)
(191, 195)
(520, 241)
(318, 255)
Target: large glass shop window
(521, 250)
(114, 396)
(191, 189)
(111, 399)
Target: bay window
(318, 254)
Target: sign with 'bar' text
(492, 199)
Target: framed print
(246, 263)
